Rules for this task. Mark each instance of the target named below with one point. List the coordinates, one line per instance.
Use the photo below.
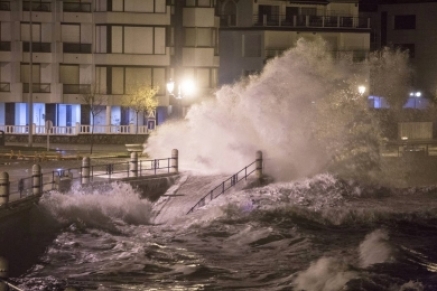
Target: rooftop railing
(300, 21)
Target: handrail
(98, 173)
(11, 285)
(227, 184)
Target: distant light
(361, 89)
(418, 94)
(188, 87)
(170, 87)
(404, 137)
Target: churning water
(321, 233)
(311, 234)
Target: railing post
(85, 171)
(36, 180)
(259, 165)
(4, 188)
(133, 165)
(174, 162)
(4, 270)
(77, 128)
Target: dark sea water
(318, 234)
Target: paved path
(179, 198)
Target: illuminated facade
(252, 31)
(103, 47)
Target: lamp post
(180, 91)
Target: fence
(63, 179)
(243, 174)
(77, 129)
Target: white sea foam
(104, 207)
(327, 274)
(375, 248)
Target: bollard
(36, 180)
(4, 270)
(4, 188)
(174, 161)
(259, 165)
(133, 164)
(85, 173)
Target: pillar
(259, 165)
(133, 164)
(4, 270)
(4, 188)
(174, 163)
(85, 171)
(108, 119)
(36, 180)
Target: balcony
(76, 7)
(357, 55)
(37, 6)
(301, 21)
(76, 48)
(5, 87)
(37, 88)
(37, 47)
(5, 6)
(5, 46)
(76, 88)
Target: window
(199, 37)
(5, 36)
(76, 7)
(152, 6)
(131, 39)
(121, 80)
(37, 6)
(199, 3)
(405, 22)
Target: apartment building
(252, 31)
(410, 25)
(54, 52)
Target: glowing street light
(185, 88)
(417, 94)
(361, 89)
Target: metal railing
(5, 87)
(64, 179)
(80, 48)
(37, 88)
(76, 88)
(76, 7)
(37, 6)
(37, 47)
(301, 20)
(5, 46)
(230, 182)
(77, 129)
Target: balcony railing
(37, 88)
(37, 6)
(5, 46)
(5, 6)
(78, 48)
(37, 47)
(76, 7)
(299, 21)
(76, 88)
(356, 55)
(5, 87)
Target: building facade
(252, 31)
(409, 25)
(53, 53)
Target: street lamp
(361, 89)
(185, 88)
(416, 95)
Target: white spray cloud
(271, 112)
